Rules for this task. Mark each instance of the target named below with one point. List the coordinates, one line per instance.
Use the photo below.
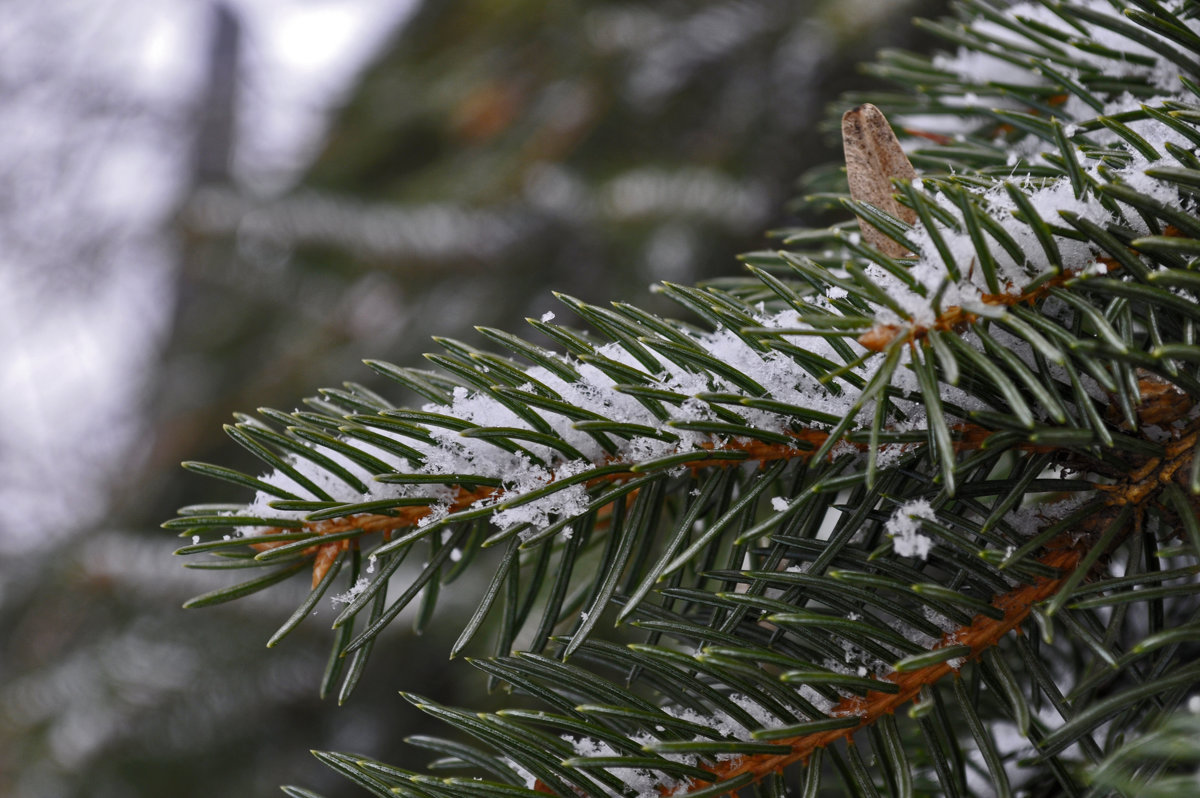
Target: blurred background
(208, 207)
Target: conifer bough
(906, 510)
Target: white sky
(95, 101)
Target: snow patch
(903, 527)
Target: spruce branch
(847, 488)
(1073, 554)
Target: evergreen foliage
(911, 510)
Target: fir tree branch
(1161, 404)
(1065, 553)
(967, 437)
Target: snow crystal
(890, 454)
(904, 524)
(1028, 520)
(353, 593)
(779, 504)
